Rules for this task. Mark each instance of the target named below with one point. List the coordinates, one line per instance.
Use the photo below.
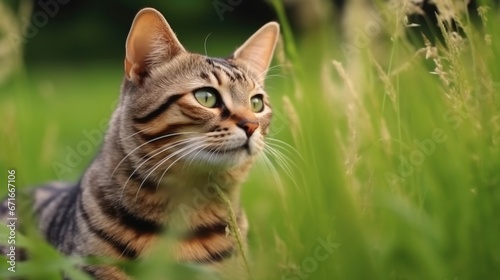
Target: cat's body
(186, 126)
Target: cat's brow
(229, 69)
(205, 76)
(217, 77)
(220, 61)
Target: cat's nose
(248, 125)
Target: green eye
(257, 103)
(207, 97)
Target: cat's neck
(188, 193)
(185, 204)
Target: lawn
(393, 168)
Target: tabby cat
(186, 125)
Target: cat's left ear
(150, 41)
(258, 50)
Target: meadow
(389, 163)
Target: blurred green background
(392, 113)
(96, 30)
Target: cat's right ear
(150, 41)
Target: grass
(398, 174)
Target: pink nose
(249, 126)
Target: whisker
(263, 74)
(162, 149)
(285, 146)
(205, 44)
(185, 141)
(277, 76)
(133, 134)
(143, 144)
(192, 149)
(158, 164)
(282, 161)
(213, 151)
(270, 166)
(190, 162)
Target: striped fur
(164, 153)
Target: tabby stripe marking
(162, 108)
(62, 224)
(204, 232)
(227, 72)
(225, 113)
(221, 62)
(217, 77)
(49, 200)
(125, 217)
(223, 65)
(230, 69)
(205, 76)
(91, 271)
(192, 115)
(147, 185)
(171, 128)
(120, 247)
(215, 256)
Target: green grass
(399, 168)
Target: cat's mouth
(229, 153)
(224, 151)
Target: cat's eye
(257, 103)
(207, 97)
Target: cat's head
(181, 107)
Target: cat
(186, 126)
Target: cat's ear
(258, 50)
(150, 41)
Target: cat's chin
(224, 159)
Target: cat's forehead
(191, 71)
(229, 71)
(225, 73)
